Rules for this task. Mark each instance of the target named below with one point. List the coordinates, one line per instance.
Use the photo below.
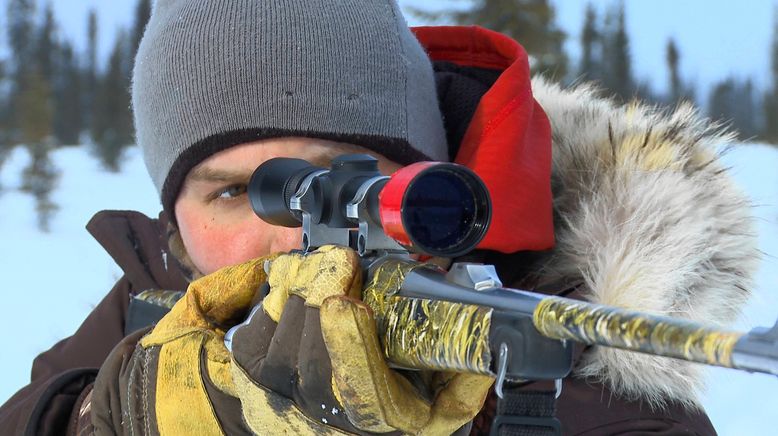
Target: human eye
(230, 192)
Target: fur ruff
(648, 219)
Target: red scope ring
(391, 201)
(394, 195)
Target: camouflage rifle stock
(427, 320)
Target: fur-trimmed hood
(648, 218)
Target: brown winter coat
(59, 375)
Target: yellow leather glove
(178, 380)
(309, 361)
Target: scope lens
(446, 211)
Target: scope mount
(364, 237)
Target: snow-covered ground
(50, 281)
(740, 403)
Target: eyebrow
(324, 159)
(207, 174)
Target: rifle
(464, 319)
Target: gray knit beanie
(211, 74)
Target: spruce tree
(590, 46)
(5, 110)
(33, 103)
(89, 79)
(673, 57)
(91, 35)
(33, 62)
(720, 100)
(21, 36)
(48, 65)
(5, 100)
(21, 31)
(34, 109)
(112, 123)
(678, 89)
(770, 102)
(35, 122)
(68, 110)
(732, 102)
(617, 61)
(745, 111)
(530, 22)
(39, 179)
(45, 44)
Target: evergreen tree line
(734, 101)
(606, 59)
(53, 95)
(50, 94)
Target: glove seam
(145, 390)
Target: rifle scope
(436, 208)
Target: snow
(739, 403)
(51, 281)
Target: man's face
(218, 226)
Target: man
(643, 217)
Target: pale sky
(716, 38)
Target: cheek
(214, 243)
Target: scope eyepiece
(273, 185)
